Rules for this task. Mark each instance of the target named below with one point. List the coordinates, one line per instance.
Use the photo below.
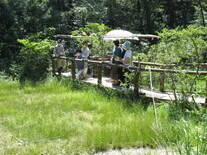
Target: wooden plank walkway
(147, 92)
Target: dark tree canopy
(20, 18)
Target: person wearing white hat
(127, 59)
(127, 56)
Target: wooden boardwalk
(138, 68)
(106, 82)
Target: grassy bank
(50, 117)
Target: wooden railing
(137, 70)
(163, 70)
(141, 63)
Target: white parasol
(146, 35)
(119, 34)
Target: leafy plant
(181, 47)
(94, 30)
(35, 56)
(194, 141)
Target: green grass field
(52, 118)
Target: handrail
(138, 69)
(144, 69)
(165, 65)
(61, 57)
(144, 63)
(175, 71)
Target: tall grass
(53, 118)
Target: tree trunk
(202, 14)
(147, 15)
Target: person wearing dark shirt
(117, 52)
(116, 58)
(80, 65)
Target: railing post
(100, 74)
(137, 82)
(73, 68)
(162, 81)
(66, 67)
(206, 96)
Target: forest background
(39, 20)
(27, 30)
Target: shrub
(35, 58)
(180, 45)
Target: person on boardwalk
(85, 50)
(116, 53)
(116, 57)
(80, 65)
(127, 61)
(127, 58)
(59, 52)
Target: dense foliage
(186, 49)
(95, 31)
(35, 59)
(181, 46)
(27, 30)
(20, 18)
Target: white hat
(126, 45)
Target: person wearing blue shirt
(116, 58)
(80, 65)
(117, 52)
(79, 55)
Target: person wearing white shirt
(127, 60)
(127, 56)
(85, 50)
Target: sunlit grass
(51, 118)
